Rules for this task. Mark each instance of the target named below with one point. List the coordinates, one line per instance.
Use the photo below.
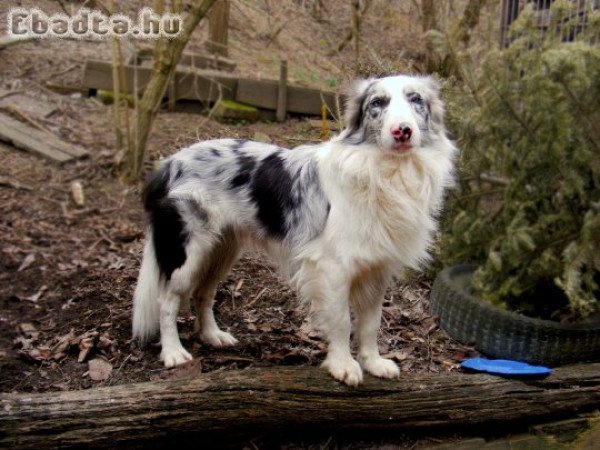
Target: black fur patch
(168, 233)
(215, 152)
(355, 124)
(178, 170)
(271, 190)
(246, 164)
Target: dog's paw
(218, 338)
(346, 370)
(380, 367)
(175, 356)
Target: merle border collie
(338, 218)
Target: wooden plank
(27, 138)
(97, 75)
(300, 100)
(205, 85)
(197, 60)
(190, 84)
(259, 93)
(201, 61)
(197, 84)
(246, 403)
(303, 100)
(28, 105)
(66, 147)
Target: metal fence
(580, 11)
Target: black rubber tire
(503, 334)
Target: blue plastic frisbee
(504, 367)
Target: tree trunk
(234, 404)
(155, 90)
(356, 33)
(429, 22)
(218, 28)
(468, 21)
(428, 15)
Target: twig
(112, 380)
(350, 33)
(68, 69)
(9, 93)
(15, 185)
(493, 179)
(256, 297)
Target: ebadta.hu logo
(92, 24)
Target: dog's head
(399, 114)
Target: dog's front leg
(368, 320)
(332, 312)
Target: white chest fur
(383, 205)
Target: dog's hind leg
(366, 297)
(222, 257)
(182, 282)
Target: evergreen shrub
(527, 209)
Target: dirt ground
(68, 272)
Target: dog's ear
(353, 113)
(436, 106)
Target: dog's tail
(146, 309)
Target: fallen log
(227, 404)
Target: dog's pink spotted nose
(402, 132)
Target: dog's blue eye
(376, 103)
(416, 99)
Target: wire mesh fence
(579, 12)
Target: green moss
(108, 97)
(231, 111)
(231, 104)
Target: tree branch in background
(164, 69)
(351, 31)
(444, 47)
(468, 21)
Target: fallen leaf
(28, 261)
(64, 342)
(42, 353)
(29, 330)
(23, 342)
(428, 324)
(104, 341)
(35, 297)
(399, 355)
(85, 347)
(99, 369)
